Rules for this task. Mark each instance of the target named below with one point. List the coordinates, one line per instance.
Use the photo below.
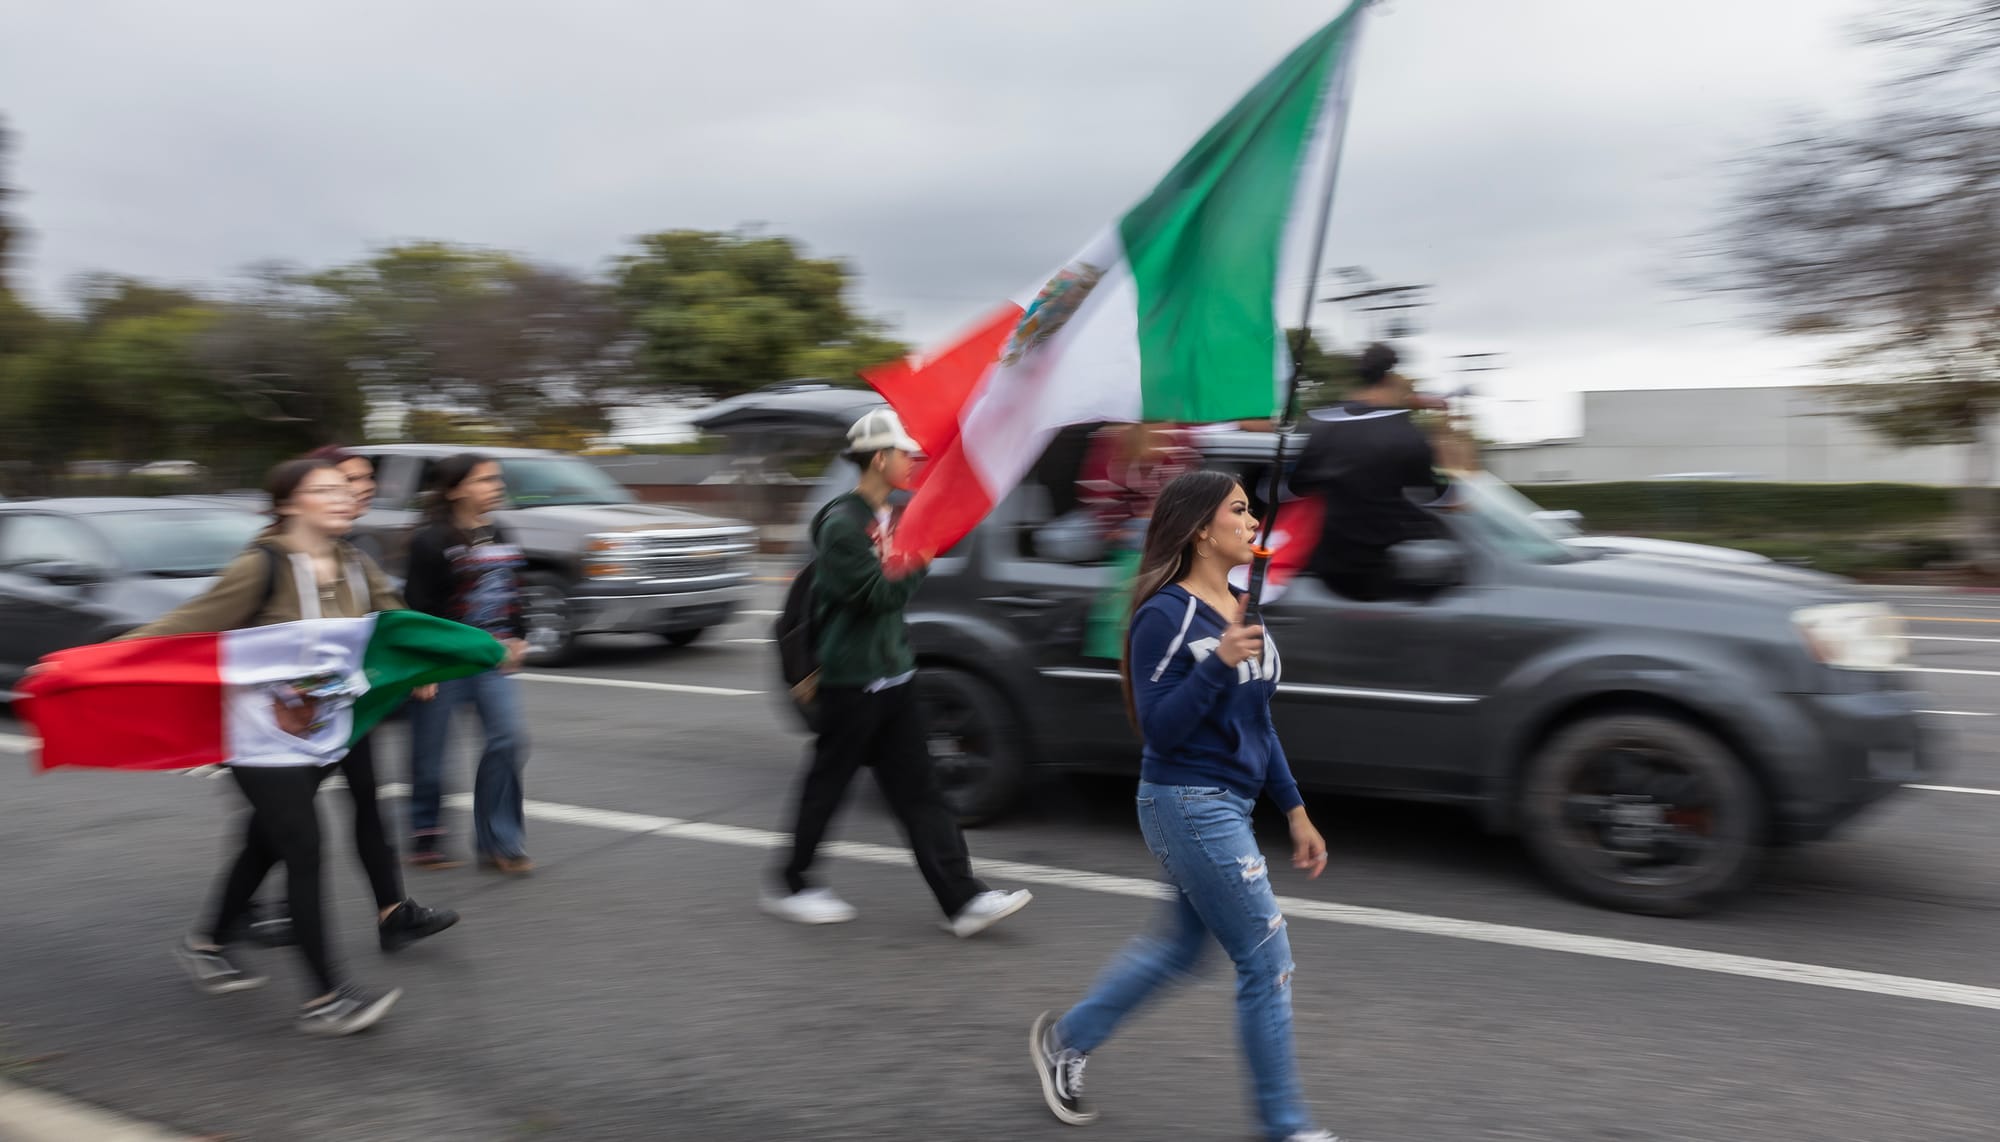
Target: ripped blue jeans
(1202, 838)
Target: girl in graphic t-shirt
(463, 568)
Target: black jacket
(478, 586)
(1374, 467)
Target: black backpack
(796, 633)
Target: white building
(1788, 433)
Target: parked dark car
(1647, 724)
(598, 559)
(77, 571)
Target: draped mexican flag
(1171, 314)
(298, 693)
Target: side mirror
(63, 572)
(1563, 523)
(1428, 564)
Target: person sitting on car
(1376, 471)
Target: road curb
(30, 1114)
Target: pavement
(631, 990)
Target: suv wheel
(974, 744)
(1643, 813)
(549, 629)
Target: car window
(396, 483)
(1505, 519)
(547, 481)
(174, 544)
(33, 537)
(1044, 518)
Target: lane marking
(634, 684)
(1946, 638)
(753, 641)
(1954, 606)
(1941, 619)
(762, 614)
(1951, 670)
(1957, 713)
(1955, 789)
(16, 743)
(1478, 931)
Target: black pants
(283, 827)
(885, 730)
(371, 843)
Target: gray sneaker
(1061, 1071)
(212, 970)
(351, 1009)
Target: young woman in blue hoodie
(1198, 686)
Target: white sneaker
(1314, 1136)
(986, 910)
(812, 906)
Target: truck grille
(679, 556)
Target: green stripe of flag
(409, 649)
(1205, 245)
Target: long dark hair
(1185, 506)
(282, 483)
(448, 475)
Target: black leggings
(371, 844)
(283, 826)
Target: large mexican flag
(1170, 314)
(295, 693)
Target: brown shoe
(508, 866)
(433, 859)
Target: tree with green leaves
(1881, 237)
(724, 313)
(455, 329)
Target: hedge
(1746, 508)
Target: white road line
(1955, 789)
(1949, 670)
(1957, 713)
(16, 743)
(761, 614)
(1954, 606)
(1480, 931)
(1946, 638)
(634, 684)
(762, 641)
(1601, 947)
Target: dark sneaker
(212, 970)
(411, 922)
(351, 1009)
(1061, 1070)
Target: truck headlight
(1853, 636)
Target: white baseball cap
(879, 431)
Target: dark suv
(598, 559)
(1647, 723)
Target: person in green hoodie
(868, 710)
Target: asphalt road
(630, 990)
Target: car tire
(546, 619)
(1643, 813)
(975, 744)
(683, 637)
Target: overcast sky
(1536, 161)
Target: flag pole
(1260, 563)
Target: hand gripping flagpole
(1260, 563)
